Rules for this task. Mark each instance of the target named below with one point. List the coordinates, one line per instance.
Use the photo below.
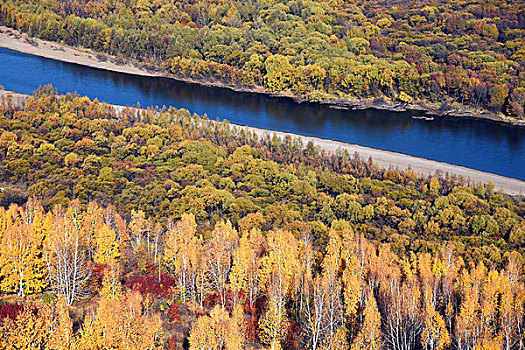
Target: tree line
(143, 285)
(440, 53)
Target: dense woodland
(151, 229)
(470, 52)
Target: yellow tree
(201, 281)
(358, 256)
(315, 312)
(450, 266)
(338, 341)
(384, 269)
(355, 245)
(369, 337)
(32, 214)
(92, 221)
(111, 286)
(158, 235)
(218, 256)
(512, 305)
(61, 327)
(490, 293)
(107, 245)
(6, 218)
(28, 331)
(468, 322)
(352, 282)
(246, 270)
(280, 266)
(402, 302)
(435, 335)
(273, 325)
(121, 323)
(65, 251)
(331, 268)
(138, 228)
(218, 331)
(21, 265)
(182, 253)
(304, 276)
(136, 241)
(278, 74)
(429, 272)
(115, 222)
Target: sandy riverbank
(382, 158)
(387, 159)
(14, 40)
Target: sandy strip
(21, 42)
(382, 158)
(394, 160)
(13, 40)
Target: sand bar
(388, 159)
(13, 40)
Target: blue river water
(478, 144)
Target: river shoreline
(383, 158)
(21, 42)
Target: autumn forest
(155, 228)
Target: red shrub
(98, 275)
(292, 338)
(174, 312)
(151, 284)
(257, 309)
(214, 298)
(10, 310)
(150, 268)
(211, 300)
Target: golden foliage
(120, 322)
(218, 331)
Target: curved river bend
(478, 144)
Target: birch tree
(61, 327)
(331, 268)
(315, 312)
(218, 331)
(369, 336)
(182, 253)
(403, 315)
(218, 256)
(512, 306)
(120, 322)
(280, 266)
(246, 274)
(65, 252)
(21, 265)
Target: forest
(125, 228)
(440, 53)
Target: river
(479, 144)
